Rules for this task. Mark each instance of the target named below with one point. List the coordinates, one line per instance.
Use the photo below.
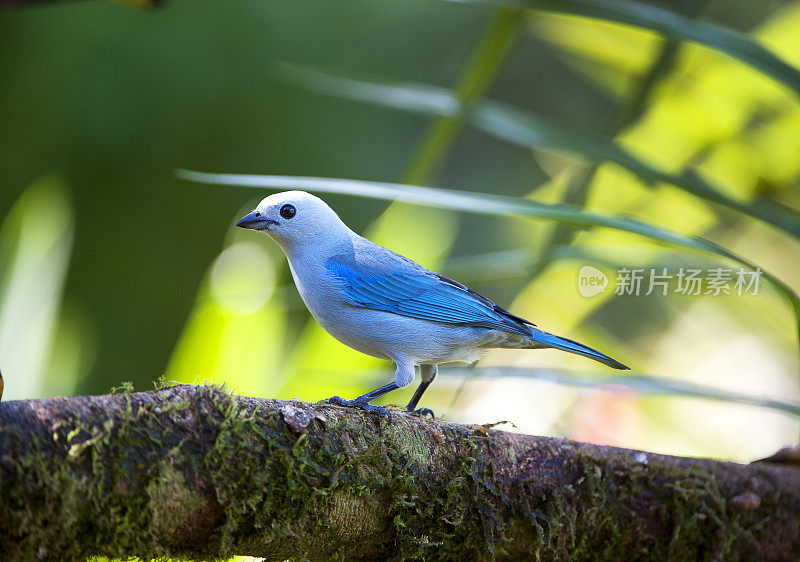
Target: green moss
(260, 488)
(174, 507)
(626, 510)
(454, 515)
(99, 489)
(349, 471)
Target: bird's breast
(325, 299)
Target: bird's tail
(557, 342)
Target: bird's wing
(418, 293)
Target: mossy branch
(195, 472)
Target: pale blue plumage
(388, 306)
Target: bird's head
(292, 218)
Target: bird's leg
(363, 402)
(427, 374)
(403, 376)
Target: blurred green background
(113, 270)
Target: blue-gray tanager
(387, 306)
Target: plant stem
(475, 79)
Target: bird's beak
(255, 222)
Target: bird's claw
(361, 405)
(422, 412)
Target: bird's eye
(288, 211)
(258, 213)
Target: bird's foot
(422, 412)
(361, 405)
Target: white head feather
(296, 219)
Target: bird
(388, 306)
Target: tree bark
(195, 472)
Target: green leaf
(526, 129)
(488, 205)
(673, 25)
(640, 383)
(457, 200)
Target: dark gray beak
(255, 221)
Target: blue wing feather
(415, 292)
(395, 284)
